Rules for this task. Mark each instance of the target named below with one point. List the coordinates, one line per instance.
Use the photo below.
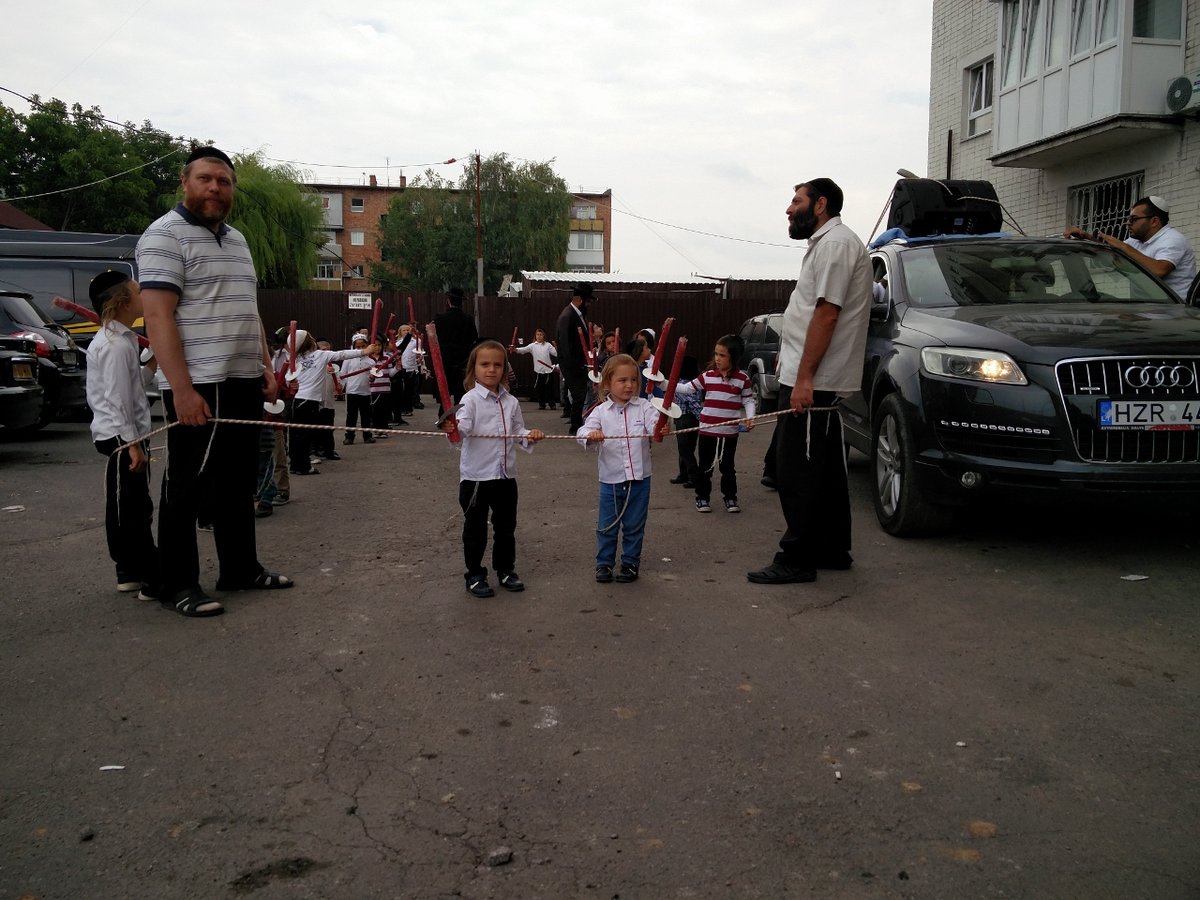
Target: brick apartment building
(1063, 106)
(353, 213)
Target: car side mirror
(881, 309)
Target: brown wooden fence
(703, 313)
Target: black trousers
(477, 498)
(128, 516)
(686, 444)
(577, 385)
(381, 410)
(708, 445)
(302, 441)
(543, 389)
(322, 441)
(356, 405)
(810, 476)
(216, 464)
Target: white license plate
(1150, 415)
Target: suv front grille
(1083, 383)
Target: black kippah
(209, 152)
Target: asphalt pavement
(998, 712)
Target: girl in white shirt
(311, 377)
(116, 393)
(488, 467)
(621, 426)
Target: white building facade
(1066, 106)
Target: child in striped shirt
(727, 398)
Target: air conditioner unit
(1183, 94)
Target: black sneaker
(511, 582)
(627, 574)
(331, 456)
(368, 439)
(731, 505)
(477, 586)
(679, 479)
(281, 499)
(767, 481)
(604, 574)
(703, 505)
(348, 440)
(262, 509)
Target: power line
(80, 187)
(296, 162)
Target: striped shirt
(725, 399)
(213, 276)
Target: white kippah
(1160, 203)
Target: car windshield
(23, 312)
(1003, 272)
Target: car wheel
(899, 505)
(761, 404)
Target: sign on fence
(360, 301)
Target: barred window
(1104, 205)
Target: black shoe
(768, 482)
(262, 509)
(348, 440)
(604, 574)
(552, 406)
(368, 438)
(627, 574)
(511, 582)
(780, 573)
(477, 586)
(418, 405)
(679, 479)
(332, 455)
(566, 414)
(543, 406)
(688, 485)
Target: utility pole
(478, 231)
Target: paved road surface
(995, 713)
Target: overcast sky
(696, 114)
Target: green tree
(56, 147)
(281, 220)
(428, 239)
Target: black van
(49, 264)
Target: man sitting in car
(1152, 243)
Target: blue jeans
(632, 524)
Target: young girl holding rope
(727, 397)
(621, 426)
(492, 427)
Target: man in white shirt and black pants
(821, 351)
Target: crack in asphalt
(818, 606)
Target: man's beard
(802, 225)
(204, 210)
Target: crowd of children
(381, 385)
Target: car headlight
(989, 366)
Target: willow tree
(281, 220)
(428, 241)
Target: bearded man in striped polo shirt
(199, 291)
